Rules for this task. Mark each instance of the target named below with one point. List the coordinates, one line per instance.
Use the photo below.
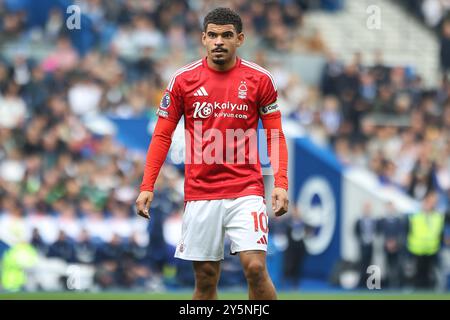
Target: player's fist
(280, 201)
(143, 202)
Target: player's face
(221, 42)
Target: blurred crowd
(436, 15)
(382, 117)
(415, 247)
(69, 189)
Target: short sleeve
(268, 95)
(171, 105)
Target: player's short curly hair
(223, 16)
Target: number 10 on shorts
(260, 221)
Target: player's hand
(143, 202)
(280, 201)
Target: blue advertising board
(316, 186)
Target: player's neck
(221, 68)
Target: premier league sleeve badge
(165, 101)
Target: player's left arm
(279, 160)
(276, 144)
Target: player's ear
(204, 38)
(240, 38)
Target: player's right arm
(169, 112)
(156, 155)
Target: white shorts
(205, 223)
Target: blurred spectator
(432, 12)
(380, 70)
(13, 110)
(421, 180)
(425, 233)
(445, 253)
(295, 252)
(62, 248)
(368, 88)
(331, 116)
(162, 207)
(110, 256)
(12, 25)
(15, 263)
(445, 47)
(330, 75)
(13, 227)
(119, 223)
(38, 243)
(5, 73)
(94, 222)
(392, 228)
(54, 24)
(137, 252)
(85, 249)
(36, 91)
(68, 221)
(84, 96)
(21, 69)
(64, 57)
(134, 264)
(365, 231)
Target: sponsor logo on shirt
(203, 110)
(162, 113)
(271, 108)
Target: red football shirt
(221, 112)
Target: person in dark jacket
(296, 249)
(392, 228)
(365, 231)
(38, 243)
(85, 249)
(445, 47)
(63, 248)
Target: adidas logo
(201, 92)
(263, 240)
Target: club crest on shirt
(242, 90)
(165, 101)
